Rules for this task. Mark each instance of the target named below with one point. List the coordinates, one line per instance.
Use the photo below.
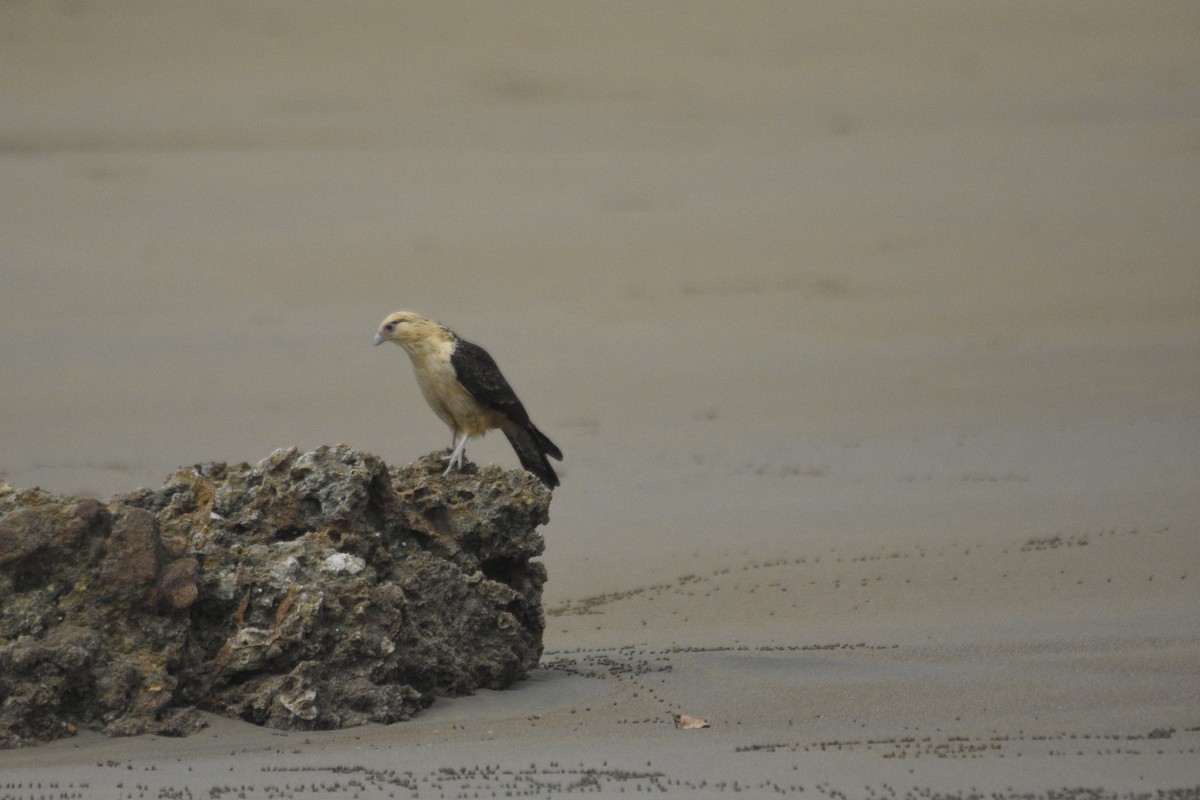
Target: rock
(313, 590)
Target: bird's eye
(391, 326)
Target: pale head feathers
(411, 330)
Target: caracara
(464, 387)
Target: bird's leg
(456, 456)
(453, 443)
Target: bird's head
(405, 328)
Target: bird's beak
(379, 339)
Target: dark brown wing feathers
(479, 375)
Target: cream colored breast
(445, 395)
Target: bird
(465, 388)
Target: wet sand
(871, 336)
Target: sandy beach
(870, 333)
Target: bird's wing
(480, 376)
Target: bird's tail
(544, 444)
(532, 446)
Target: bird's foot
(453, 461)
(458, 454)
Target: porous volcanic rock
(313, 590)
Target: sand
(871, 334)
